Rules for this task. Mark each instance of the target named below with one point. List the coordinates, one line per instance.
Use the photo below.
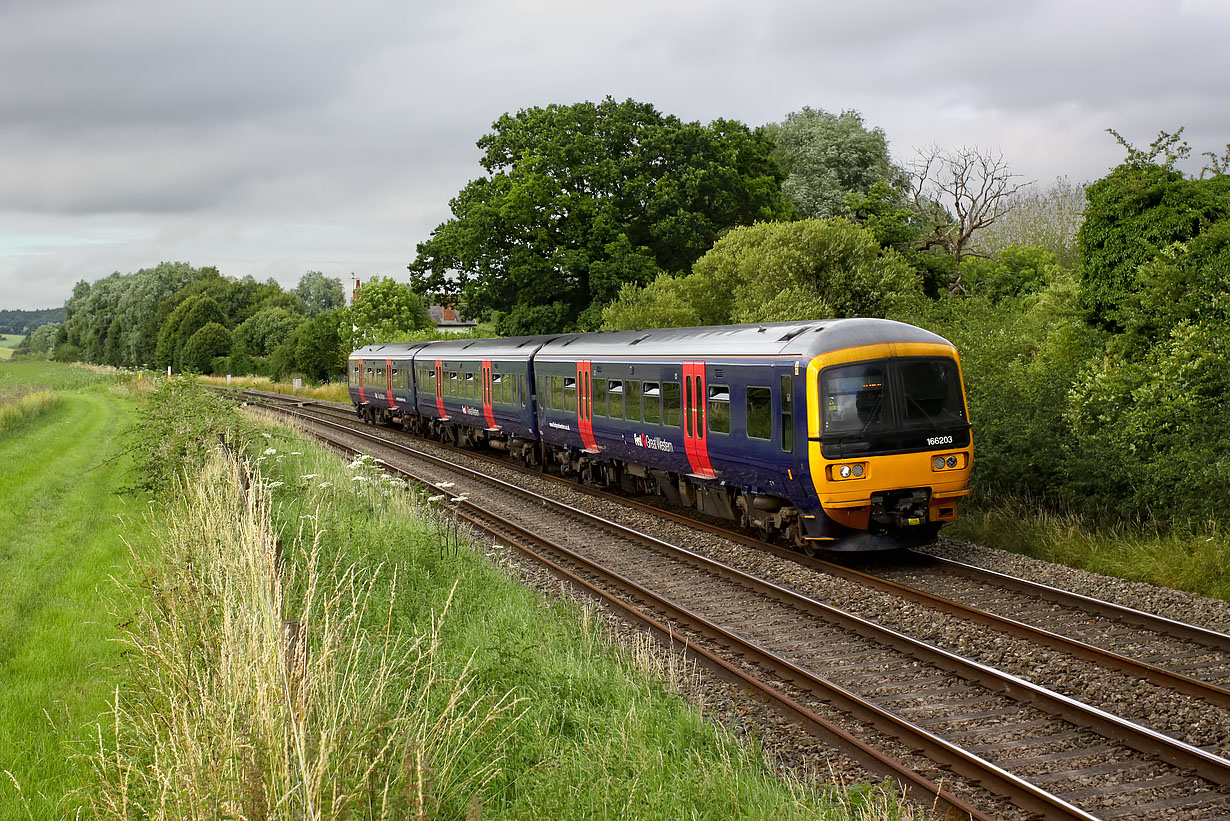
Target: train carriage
(381, 382)
(474, 391)
(846, 434)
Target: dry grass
(23, 402)
(269, 687)
(328, 392)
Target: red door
(362, 398)
(585, 406)
(388, 373)
(488, 409)
(695, 425)
(440, 389)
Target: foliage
(580, 200)
(24, 322)
(1015, 271)
(320, 348)
(40, 341)
(776, 271)
(320, 293)
(259, 335)
(384, 310)
(828, 158)
(1049, 219)
(1134, 213)
(958, 193)
(179, 426)
(211, 340)
(1019, 356)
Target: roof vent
(639, 339)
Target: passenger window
(787, 416)
(615, 399)
(688, 405)
(632, 399)
(521, 388)
(719, 409)
(557, 392)
(570, 394)
(759, 413)
(700, 408)
(454, 384)
(670, 404)
(653, 403)
(599, 397)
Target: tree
(1135, 212)
(580, 199)
(320, 350)
(320, 293)
(210, 340)
(829, 157)
(41, 340)
(957, 193)
(807, 269)
(188, 317)
(1048, 219)
(385, 309)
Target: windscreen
(892, 405)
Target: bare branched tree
(959, 192)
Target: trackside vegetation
(66, 518)
(315, 639)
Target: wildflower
(270, 451)
(272, 485)
(435, 498)
(443, 485)
(267, 435)
(325, 484)
(307, 476)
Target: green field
(8, 342)
(65, 520)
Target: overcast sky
(273, 138)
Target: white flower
(435, 498)
(267, 435)
(459, 499)
(358, 478)
(272, 485)
(270, 451)
(443, 485)
(325, 484)
(308, 476)
(296, 453)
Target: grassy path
(61, 538)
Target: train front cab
(889, 447)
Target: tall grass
(22, 403)
(1187, 556)
(270, 684)
(329, 392)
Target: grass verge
(329, 392)
(318, 638)
(1191, 558)
(64, 518)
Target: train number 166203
(939, 440)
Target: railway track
(1050, 754)
(1185, 658)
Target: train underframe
(773, 518)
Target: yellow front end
(846, 487)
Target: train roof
(807, 338)
(387, 350)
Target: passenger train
(838, 435)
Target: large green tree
(1135, 212)
(580, 199)
(807, 269)
(829, 157)
(320, 293)
(385, 310)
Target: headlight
(938, 463)
(845, 471)
(857, 470)
(952, 461)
